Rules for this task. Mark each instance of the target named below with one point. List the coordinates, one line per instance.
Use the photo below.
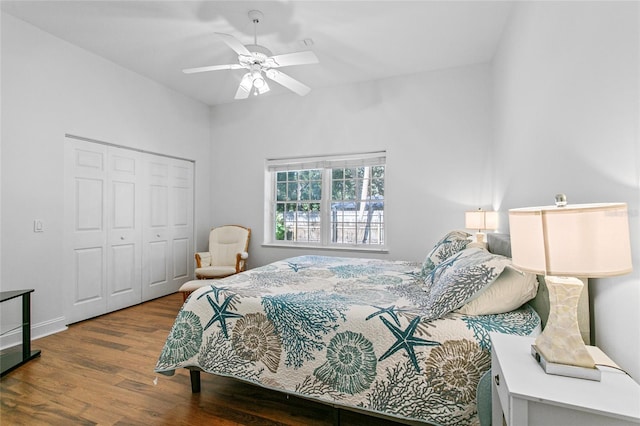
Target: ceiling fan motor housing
(258, 51)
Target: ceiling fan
(260, 62)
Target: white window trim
(324, 162)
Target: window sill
(382, 249)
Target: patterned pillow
(457, 279)
(449, 245)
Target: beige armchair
(227, 255)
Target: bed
(404, 340)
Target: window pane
(316, 190)
(349, 190)
(281, 191)
(280, 223)
(338, 190)
(305, 191)
(377, 187)
(292, 191)
(377, 171)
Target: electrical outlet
(38, 226)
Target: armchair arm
(241, 261)
(203, 259)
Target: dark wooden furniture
(13, 359)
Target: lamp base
(559, 348)
(565, 369)
(560, 340)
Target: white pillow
(512, 289)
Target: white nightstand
(527, 396)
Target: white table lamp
(481, 220)
(563, 242)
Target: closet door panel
(158, 206)
(85, 253)
(182, 221)
(89, 275)
(124, 222)
(157, 263)
(181, 256)
(168, 235)
(155, 280)
(123, 270)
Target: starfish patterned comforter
(359, 333)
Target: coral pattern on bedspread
(345, 331)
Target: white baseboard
(39, 330)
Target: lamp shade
(481, 219)
(582, 240)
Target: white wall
(567, 120)
(49, 88)
(434, 126)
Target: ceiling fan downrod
(255, 16)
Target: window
(331, 201)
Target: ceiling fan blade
(234, 43)
(288, 82)
(212, 68)
(244, 89)
(297, 58)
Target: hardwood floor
(100, 372)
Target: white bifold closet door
(128, 230)
(167, 226)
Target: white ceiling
(354, 40)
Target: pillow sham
(456, 280)
(512, 289)
(450, 244)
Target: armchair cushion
(225, 243)
(215, 271)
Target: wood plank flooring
(100, 372)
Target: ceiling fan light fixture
(246, 83)
(264, 88)
(258, 81)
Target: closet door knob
(122, 237)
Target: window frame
(325, 163)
